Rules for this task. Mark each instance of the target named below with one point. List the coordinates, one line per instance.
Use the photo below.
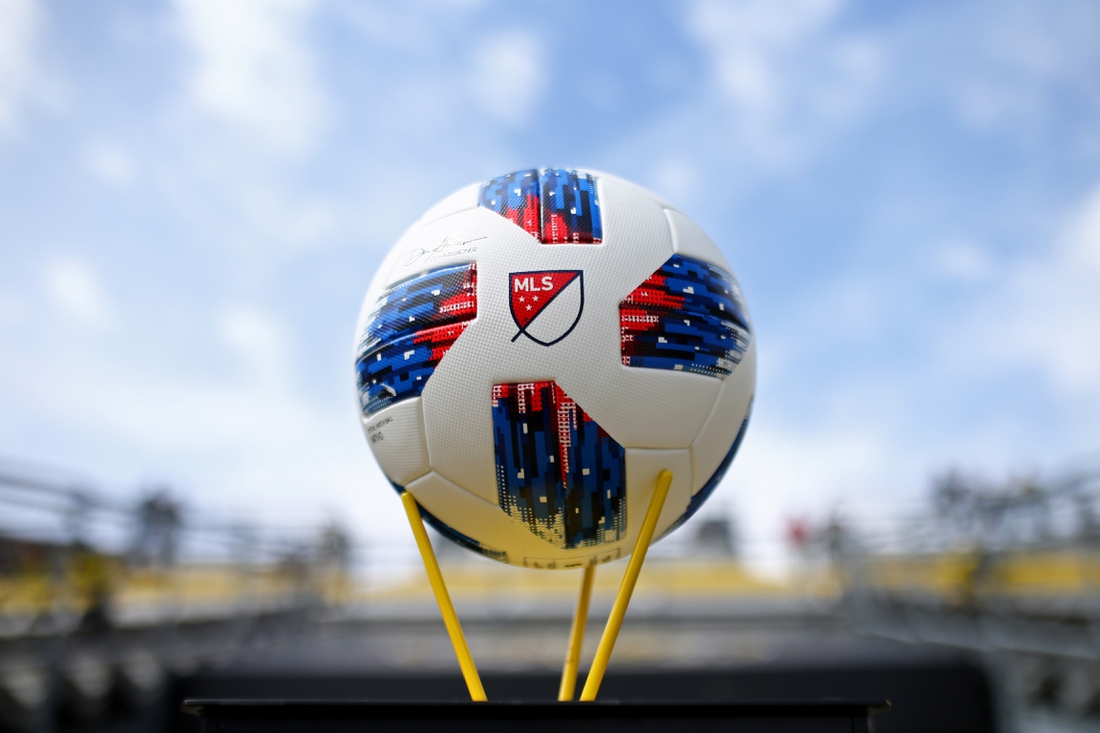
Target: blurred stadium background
(978, 612)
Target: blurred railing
(101, 597)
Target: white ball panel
(636, 224)
(646, 408)
(642, 468)
(452, 240)
(457, 398)
(634, 187)
(476, 518)
(573, 562)
(689, 240)
(636, 238)
(396, 437)
(587, 364)
(720, 430)
(460, 200)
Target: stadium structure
(978, 614)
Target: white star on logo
(528, 307)
(535, 298)
(521, 299)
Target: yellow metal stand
(626, 589)
(576, 634)
(450, 618)
(576, 638)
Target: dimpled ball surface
(537, 348)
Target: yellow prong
(450, 618)
(576, 638)
(626, 589)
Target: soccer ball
(537, 348)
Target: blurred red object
(798, 533)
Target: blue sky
(194, 196)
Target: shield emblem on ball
(546, 305)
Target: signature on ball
(451, 246)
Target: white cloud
(295, 220)
(1050, 309)
(750, 40)
(110, 163)
(76, 292)
(1083, 236)
(259, 342)
(12, 310)
(788, 469)
(255, 69)
(676, 177)
(963, 261)
(19, 22)
(253, 446)
(244, 442)
(785, 70)
(1023, 334)
(507, 77)
(1007, 70)
(783, 473)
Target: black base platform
(284, 716)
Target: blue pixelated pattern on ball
(687, 316)
(570, 208)
(515, 196)
(555, 205)
(412, 327)
(558, 472)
